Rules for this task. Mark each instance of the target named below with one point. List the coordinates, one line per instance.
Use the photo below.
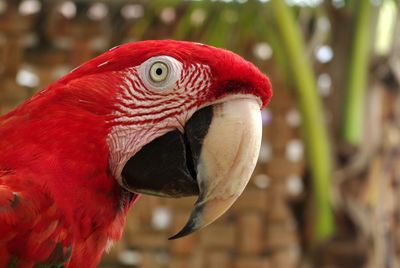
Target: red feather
(56, 191)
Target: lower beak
(213, 159)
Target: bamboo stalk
(313, 124)
(352, 120)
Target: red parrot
(166, 118)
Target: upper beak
(213, 159)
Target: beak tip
(189, 228)
(178, 235)
(182, 233)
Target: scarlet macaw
(164, 118)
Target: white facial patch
(150, 107)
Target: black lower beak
(168, 165)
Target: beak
(213, 159)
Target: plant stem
(313, 123)
(352, 120)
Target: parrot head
(183, 119)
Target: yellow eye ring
(159, 72)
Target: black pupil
(159, 71)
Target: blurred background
(326, 191)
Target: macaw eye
(159, 72)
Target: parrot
(158, 117)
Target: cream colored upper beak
(227, 160)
